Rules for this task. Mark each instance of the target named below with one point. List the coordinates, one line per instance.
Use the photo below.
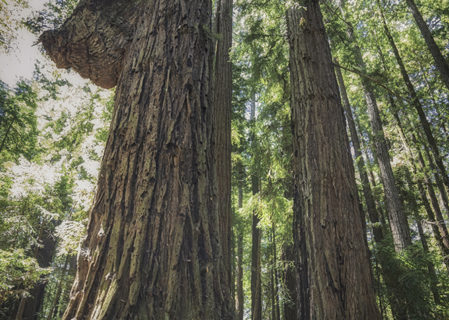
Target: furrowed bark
(289, 281)
(339, 282)
(222, 120)
(154, 249)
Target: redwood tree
(338, 282)
(154, 249)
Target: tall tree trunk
(339, 282)
(54, 305)
(440, 63)
(437, 177)
(430, 266)
(240, 297)
(154, 246)
(222, 120)
(239, 303)
(398, 303)
(366, 188)
(256, 280)
(30, 306)
(276, 275)
(289, 281)
(415, 101)
(398, 221)
(435, 217)
(275, 313)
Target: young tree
(154, 249)
(334, 252)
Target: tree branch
(373, 80)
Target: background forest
(395, 94)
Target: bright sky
(19, 61)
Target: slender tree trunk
(366, 188)
(240, 296)
(398, 221)
(256, 280)
(272, 286)
(57, 296)
(437, 223)
(436, 218)
(415, 102)
(328, 220)
(2, 145)
(289, 281)
(440, 63)
(30, 306)
(222, 120)
(239, 303)
(274, 276)
(438, 180)
(398, 303)
(430, 266)
(154, 246)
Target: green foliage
(54, 14)
(8, 22)
(18, 274)
(18, 122)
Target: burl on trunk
(154, 247)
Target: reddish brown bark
(334, 253)
(154, 248)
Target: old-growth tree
(154, 248)
(335, 280)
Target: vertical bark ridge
(339, 279)
(154, 248)
(222, 121)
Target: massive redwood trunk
(338, 283)
(154, 249)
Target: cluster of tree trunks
(159, 233)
